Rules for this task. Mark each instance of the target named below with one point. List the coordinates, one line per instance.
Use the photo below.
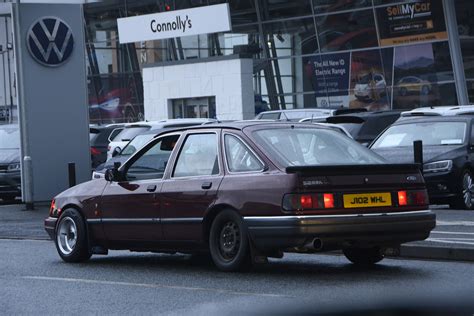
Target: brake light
(328, 200)
(402, 198)
(95, 151)
(306, 201)
(412, 197)
(300, 202)
(52, 207)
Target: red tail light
(95, 151)
(402, 198)
(415, 197)
(52, 207)
(300, 202)
(328, 200)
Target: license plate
(367, 200)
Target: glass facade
(309, 53)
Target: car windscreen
(313, 146)
(99, 136)
(430, 133)
(138, 142)
(130, 132)
(9, 138)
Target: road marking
(24, 239)
(454, 223)
(154, 285)
(455, 238)
(451, 233)
(443, 241)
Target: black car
(365, 126)
(448, 152)
(100, 137)
(10, 175)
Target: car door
(191, 187)
(130, 208)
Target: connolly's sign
(202, 20)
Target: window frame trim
(264, 166)
(175, 162)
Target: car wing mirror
(116, 152)
(113, 174)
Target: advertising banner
(202, 20)
(411, 22)
(330, 79)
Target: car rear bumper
(279, 232)
(50, 226)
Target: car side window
(152, 163)
(198, 156)
(239, 157)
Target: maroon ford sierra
(245, 191)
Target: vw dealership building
(81, 62)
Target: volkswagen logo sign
(50, 41)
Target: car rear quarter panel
(256, 194)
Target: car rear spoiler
(351, 169)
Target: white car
(370, 86)
(133, 129)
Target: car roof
(360, 117)
(240, 125)
(436, 118)
(440, 110)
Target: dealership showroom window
(375, 54)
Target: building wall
(228, 79)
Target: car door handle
(151, 188)
(206, 185)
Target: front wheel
(228, 242)
(71, 238)
(364, 256)
(465, 196)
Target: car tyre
(71, 237)
(464, 200)
(364, 256)
(228, 242)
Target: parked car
(370, 87)
(136, 143)
(336, 127)
(365, 126)
(134, 129)
(448, 154)
(299, 114)
(245, 191)
(411, 84)
(115, 106)
(10, 174)
(440, 110)
(100, 137)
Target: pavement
(452, 239)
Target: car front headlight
(438, 166)
(14, 166)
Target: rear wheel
(364, 256)
(464, 200)
(71, 238)
(228, 242)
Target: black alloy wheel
(228, 242)
(465, 197)
(364, 256)
(71, 238)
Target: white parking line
(444, 241)
(153, 285)
(451, 233)
(454, 223)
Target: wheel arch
(210, 216)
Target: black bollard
(418, 153)
(72, 174)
